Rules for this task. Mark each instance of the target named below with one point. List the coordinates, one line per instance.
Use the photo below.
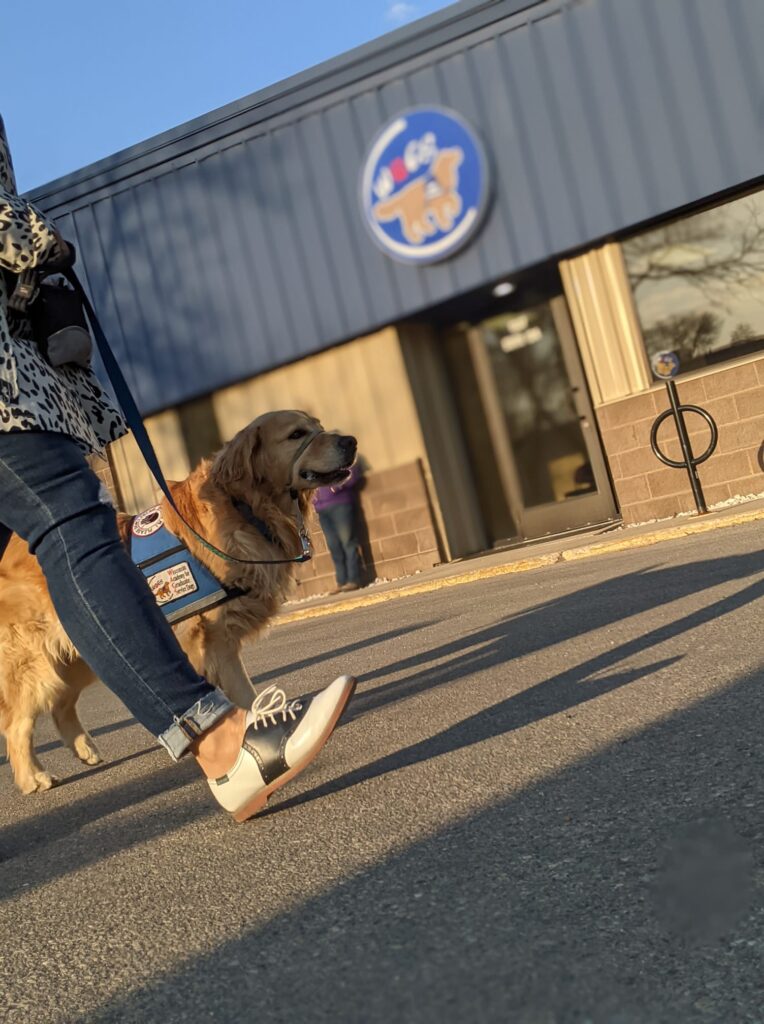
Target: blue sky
(85, 79)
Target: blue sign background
(444, 198)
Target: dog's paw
(86, 750)
(38, 782)
(45, 780)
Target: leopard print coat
(34, 395)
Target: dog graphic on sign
(424, 185)
(430, 203)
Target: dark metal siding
(235, 244)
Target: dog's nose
(348, 444)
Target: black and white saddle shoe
(282, 738)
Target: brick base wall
(645, 488)
(399, 537)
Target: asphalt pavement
(545, 806)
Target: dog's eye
(297, 434)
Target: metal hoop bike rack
(689, 461)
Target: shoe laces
(272, 703)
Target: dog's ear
(234, 468)
(256, 457)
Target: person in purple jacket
(338, 513)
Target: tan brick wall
(645, 488)
(401, 537)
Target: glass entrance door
(528, 423)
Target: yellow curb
(367, 600)
(658, 536)
(526, 565)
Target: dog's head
(282, 451)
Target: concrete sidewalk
(534, 555)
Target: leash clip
(307, 550)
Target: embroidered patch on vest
(173, 583)
(180, 583)
(148, 522)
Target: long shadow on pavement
(548, 908)
(105, 766)
(602, 604)
(336, 652)
(561, 619)
(548, 697)
(69, 817)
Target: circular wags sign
(424, 185)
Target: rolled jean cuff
(197, 720)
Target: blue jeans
(340, 526)
(51, 498)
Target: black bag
(54, 310)
(59, 325)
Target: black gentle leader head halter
(246, 513)
(307, 442)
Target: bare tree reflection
(688, 334)
(714, 251)
(698, 282)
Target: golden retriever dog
(278, 454)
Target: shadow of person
(540, 906)
(550, 697)
(560, 619)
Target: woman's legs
(346, 526)
(51, 498)
(328, 523)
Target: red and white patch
(173, 583)
(148, 522)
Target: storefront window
(698, 283)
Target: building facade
(464, 243)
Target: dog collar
(246, 513)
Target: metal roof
(235, 243)
(322, 80)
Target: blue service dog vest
(180, 583)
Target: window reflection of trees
(699, 283)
